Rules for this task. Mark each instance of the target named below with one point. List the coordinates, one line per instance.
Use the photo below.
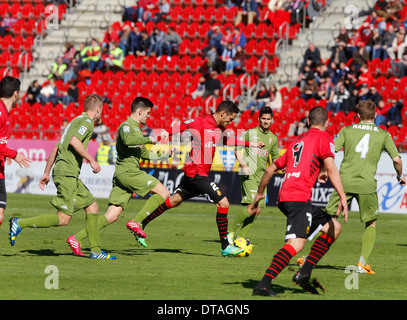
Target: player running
(363, 144)
(254, 163)
(9, 95)
(207, 133)
(72, 195)
(303, 161)
(128, 178)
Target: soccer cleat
(309, 286)
(231, 250)
(140, 240)
(263, 292)
(135, 227)
(364, 269)
(102, 256)
(15, 230)
(75, 246)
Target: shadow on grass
(146, 251)
(251, 283)
(39, 252)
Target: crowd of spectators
(341, 80)
(224, 53)
(346, 77)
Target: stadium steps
(326, 27)
(89, 20)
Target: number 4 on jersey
(363, 146)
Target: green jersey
(130, 146)
(68, 162)
(257, 158)
(363, 144)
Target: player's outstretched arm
(398, 166)
(50, 162)
(335, 178)
(22, 160)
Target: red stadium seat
(5, 59)
(18, 43)
(26, 11)
(15, 10)
(183, 65)
(220, 14)
(29, 27)
(4, 8)
(6, 43)
(38, 11)
(18, 27)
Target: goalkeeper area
(183, 260)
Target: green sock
(101, 223)
(241, 217)
(152, 203)
(42, 221)
(368, 241)
(93, 232)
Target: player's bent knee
(93, 208)
(224, 203)
(63, 219)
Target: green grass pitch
(183, 261)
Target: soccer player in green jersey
(254, 162)
(128, 178)
(72, 195)
(363, 144)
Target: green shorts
(72, 195)
(248, 189)
(127, 183)
(368, 205)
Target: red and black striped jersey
(303, 161)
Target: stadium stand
(171, 79)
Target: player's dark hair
(318, 116)
(9, 85)
(229, 106)
(92, 101)
(140, 102)
(366, 110)
(266, 110)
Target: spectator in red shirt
(110, 35)
(365, 77)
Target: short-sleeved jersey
(68, 162)
(130, 146)
(257, 158)
(5, 132)
(206, 135)
(363, 144)
(303, 161)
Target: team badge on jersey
(82, 130)
(126, 129)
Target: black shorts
(200, 185)
(3, 194)
(303, 219)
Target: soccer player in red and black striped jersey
(303, 161)
(9, 95)
(206, 132)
